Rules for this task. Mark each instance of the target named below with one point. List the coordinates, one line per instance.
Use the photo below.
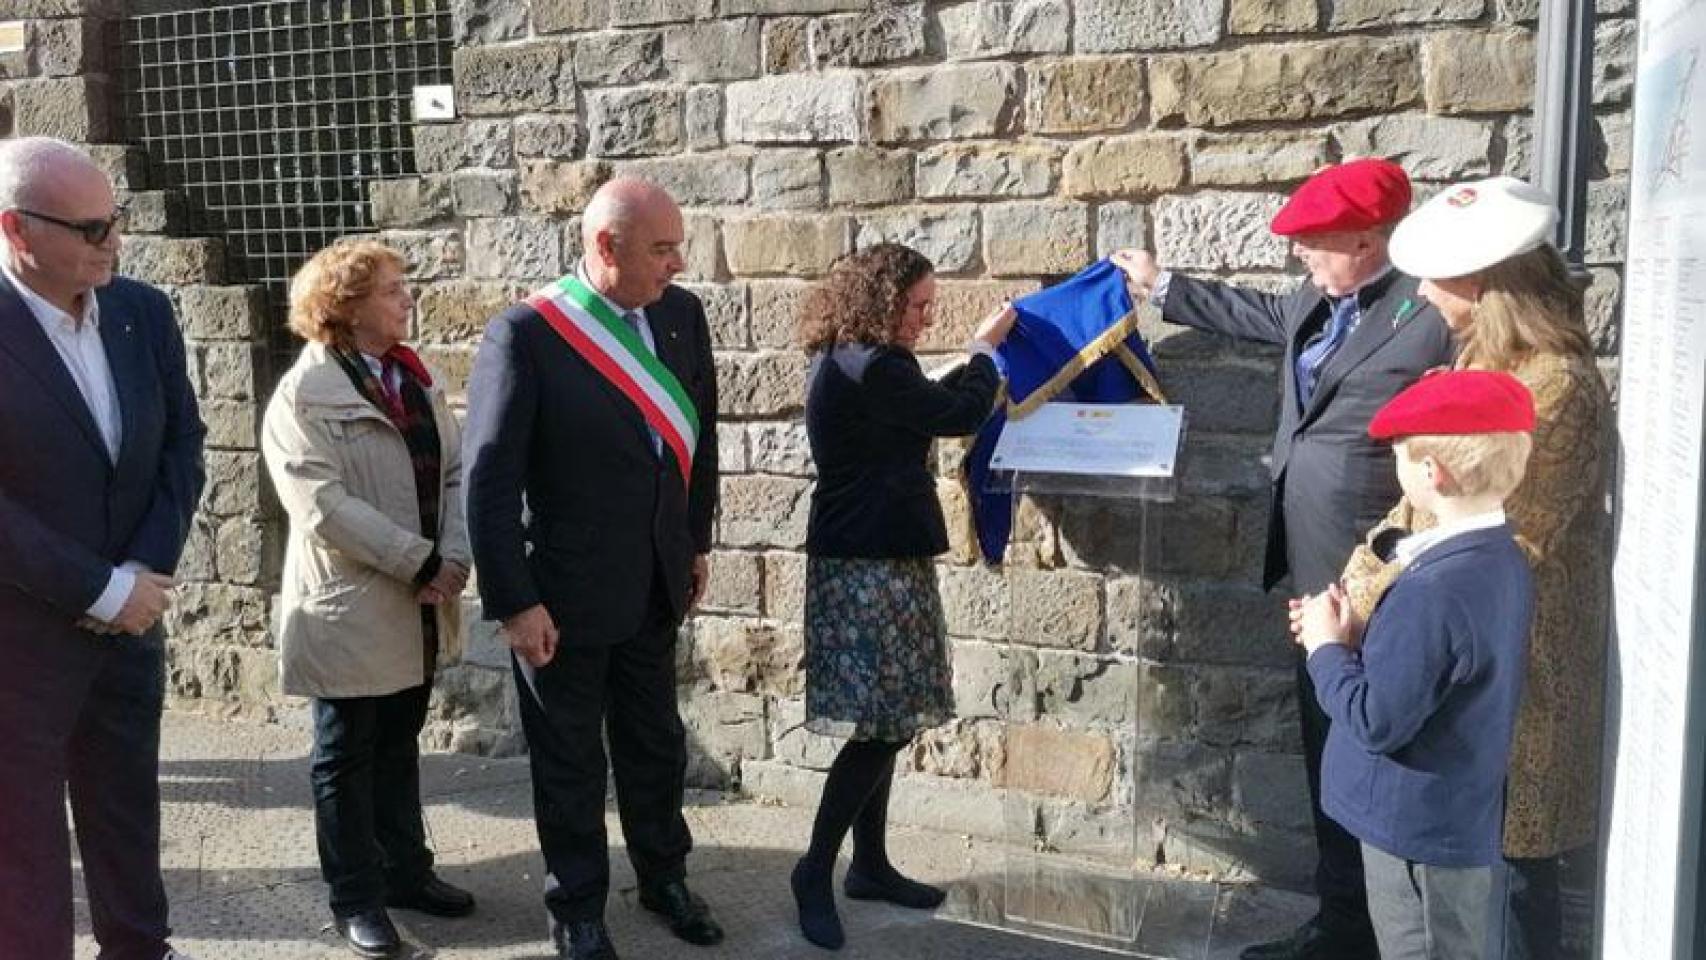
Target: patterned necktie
(1319, 350)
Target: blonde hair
(1528, 305)
(324, 288)
(1480, 464)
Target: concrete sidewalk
(244, 881)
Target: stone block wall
(1123, 686)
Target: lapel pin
(1403, 311)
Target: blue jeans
(367, 797)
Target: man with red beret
(1424, 699)
(1354, 335)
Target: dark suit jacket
(606, 514)
(1331, 482)
(68, 513)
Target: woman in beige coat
(365, 455)
(1509, 301)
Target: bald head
(53, 200)
(621, 203)
(40, 171)
(632, 235)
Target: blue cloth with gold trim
(1069, 324)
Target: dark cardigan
(871, 415)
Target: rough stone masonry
(1123, 686)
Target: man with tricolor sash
(592, 481)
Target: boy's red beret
(1358, 195)
(1456, 402)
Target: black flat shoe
(434, 897)
(894, 888)
(370, 933)
(582, 940)
(814, 895)
(1312, 941)
(689, 918)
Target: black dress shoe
(1312, 941)
(435, 897)
(582, 940)
(370, 933)
(689, 917)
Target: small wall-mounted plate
(435, 102)
(12, 37)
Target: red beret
(1456, 402)
(1358, 195)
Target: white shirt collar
(1408, 549)
(620, 311)
(1357, 293)
(48, 314)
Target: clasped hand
(149, 597)
(1325, 618)
(444, 587)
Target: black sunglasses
(94, 231)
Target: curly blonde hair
(322, 291)
(863, 299)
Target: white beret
(1471, 226)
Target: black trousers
(625, 692)
(1338, 867)
(1527, 910)
(367, 797)
(98, 735)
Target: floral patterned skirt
(877, 663)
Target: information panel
(1660, 395)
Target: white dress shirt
(1408, 549)
(78, 342)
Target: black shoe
(1312, 941)
(814, 896)
(893, 888)
(689, 917)
(582, 940)
(435, 897)
(370, 933)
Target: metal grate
(270, 118)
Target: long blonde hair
(1528, 306)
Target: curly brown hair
(863, 299)
(323, 289)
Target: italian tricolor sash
(614, 348)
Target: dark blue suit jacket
(1422, 718)
(68, 513)
(606, 516)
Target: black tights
(856, 795)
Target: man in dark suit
(1354, 335)
(100, 472)
(592, 481)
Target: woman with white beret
(1483, 252)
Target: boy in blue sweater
(1424, 699)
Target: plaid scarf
(410, 411)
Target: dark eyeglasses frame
(95, 232)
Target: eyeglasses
(95, 232)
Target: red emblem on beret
(1456, 402)
(1358, 195)
(1463, 197)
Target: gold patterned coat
(1559, 511)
